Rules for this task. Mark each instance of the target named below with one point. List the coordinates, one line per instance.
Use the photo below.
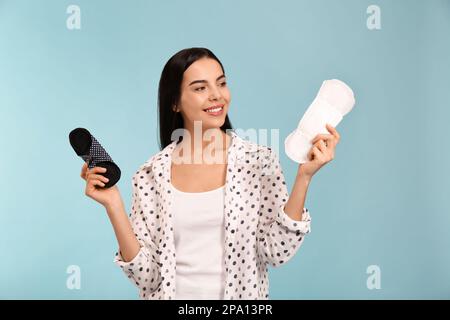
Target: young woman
(202, 229)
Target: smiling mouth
(215, 110)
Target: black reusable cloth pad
(89, 149)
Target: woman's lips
(216, 113)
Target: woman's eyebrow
(204, 81)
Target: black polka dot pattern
(258, 232)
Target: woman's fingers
(98, 177)
(314, 153)
(88, 174)
(94, 182)
(327, 152)
(333, 131)
(323, 145)
(84, 170)
(325, 137)
(330, 140)
(95, 170)
(319, 145)
(311, 154)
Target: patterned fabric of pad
(96, 154)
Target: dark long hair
(169, 91)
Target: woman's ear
(175, 108)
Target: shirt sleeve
(144, 269)
(279, 236)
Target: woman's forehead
(203, 69)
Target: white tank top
(199, 243)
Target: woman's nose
(215, 94)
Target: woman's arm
(296, 202)
(138, 255)
(322, 152)
(111, 200)
(278, 236)
(128, 243)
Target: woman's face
(204, 87)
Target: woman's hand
(321, 152)
(106, 197)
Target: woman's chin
(214, 120)
(213, 124)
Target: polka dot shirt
(258, 232)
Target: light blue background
(382, 201)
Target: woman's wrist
(115, 206)
(302, 177)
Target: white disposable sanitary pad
(334, 100)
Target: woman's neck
(210, 143)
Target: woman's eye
(223, 84)
(199, 88)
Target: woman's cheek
(227, 95)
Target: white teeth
(214, 110)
